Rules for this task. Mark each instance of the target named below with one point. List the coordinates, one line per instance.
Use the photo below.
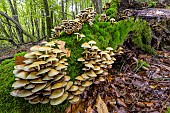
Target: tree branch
(18, 25)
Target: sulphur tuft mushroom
(42, 78)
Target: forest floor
(129, 88)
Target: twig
(164, 103)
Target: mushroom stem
(38, 67)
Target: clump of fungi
(42, 78)
(96, 65)
(70, 26)
(103, 18)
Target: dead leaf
(101, 106)
(19, 60)
(121, 102)
(89, 110)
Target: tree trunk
(76, 8)
(42, 24)
(97, 6)
(62, 8)
(48, 19)
(15, 16)
(66, 9)
(72, 5)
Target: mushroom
(58, 30)
(59, 100)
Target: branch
(18, 25)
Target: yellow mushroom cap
(42, 71)
(29, 61)
(79, 78)
(81, 59)
(67, 78)
(96, 68)
(22, 74)
(58, 77)
(57, 93)
(74, 99)
(85, 76)
(57, 51)
(78, 92)
(21, 93)
(32, 75)
(59, 85)
(59, 100)
(89, 65)
(53, 72)
(49, 44)
(29, 86)
(35, 48)
(91, 73)
(73, 88)
(20, 83)
(60, 66)
(109, 48)
(38, 87)
(91, 42)
(19, 67)
(87, 83)
(38, 80)
(69, 84)
(81, 88)
(44, 56)
(85, 45)
(70, 96)
(99, 71)
(29, 55)
(44, 48)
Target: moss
(168, 110)
(111, 12)
(10, 104)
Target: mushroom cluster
(96, 64)
(70, 26)
(42, 78)
(103, 18)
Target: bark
(52, 15)
(18, 25)
(66, 9)
(76, 8)
(48, 19)
(73, 15)
(42, 23)
(14, 11)
(97, 6)
(37, 28)
(62, 8)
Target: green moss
(111, 12)
(168, 110)
(20, 54)
(10, 104)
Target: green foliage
(142, 63)
(168, 110)
(111, 12)
(151, 4)
(10, 104)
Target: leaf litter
(129, 88)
